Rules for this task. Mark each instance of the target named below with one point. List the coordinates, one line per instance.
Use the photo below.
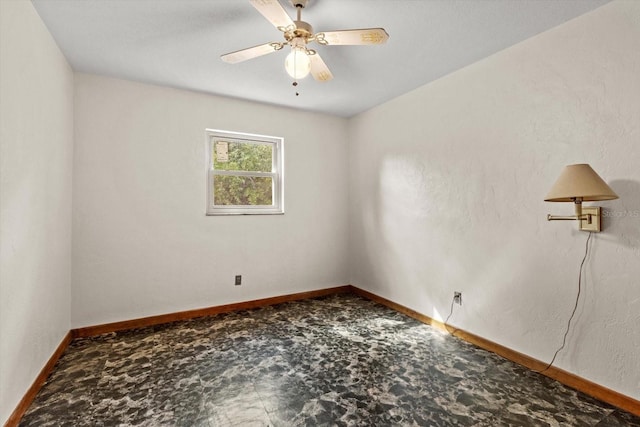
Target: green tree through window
(245, 174)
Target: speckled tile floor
(333, 361)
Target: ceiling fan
(297, 34)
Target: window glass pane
(240, 156)
(245, 173)
(242, 190)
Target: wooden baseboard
(25, 402)
(90, 331)
(605, 394)
(599, 392)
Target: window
(244, 174)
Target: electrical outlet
(457, 298)
(238, 280)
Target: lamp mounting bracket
(590, 218)
(593, 220)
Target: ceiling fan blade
(319, 69)
(250, 53)
(273, 11)
(365, 36)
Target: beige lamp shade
(580, 181)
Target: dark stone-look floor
(339, 361)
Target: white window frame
(276, 174)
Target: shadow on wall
(621, 217)
(395, 228)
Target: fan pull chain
(299, 13)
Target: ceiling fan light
(297, 63)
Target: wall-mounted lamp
(577, 184)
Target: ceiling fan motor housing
(303, 30)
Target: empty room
(320, 213)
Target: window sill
(242, 213)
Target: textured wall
(36, 149)
(142, 244)
(447, 188)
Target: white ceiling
(178, 43)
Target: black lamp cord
(449, 316)
(575, 307)
(573, 312)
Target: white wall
(446, 189)
(142, 243)
(447, 186)
(36, 140)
